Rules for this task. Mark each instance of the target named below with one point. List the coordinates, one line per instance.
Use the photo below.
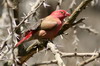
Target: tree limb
(56, 53)
(63, 55)
(74, 15)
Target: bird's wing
(48, 23)
(31, 26)
(37, 24)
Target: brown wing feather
(48, 23)
(37, 24)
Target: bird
(48, 28)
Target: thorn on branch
(46, 5)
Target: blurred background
(88, 42)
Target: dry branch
(74, 15)
(56, 53)
(63, 55)
(89, 60)
(88, 28)
(12, 57)
(36, 7)
(79, 54)
(46, 63)
(28, 54)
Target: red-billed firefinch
(48, 28)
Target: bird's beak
(68, 14)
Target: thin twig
(12, 32)
(30, 13)
(88, 28)
(78, 54)
(46, 63)
(89, 60)
(4, 53)
(79, 21)
(3, 45)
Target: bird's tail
(28, 34)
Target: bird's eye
(62, 12)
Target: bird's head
(61, 14)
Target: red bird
(48, 28)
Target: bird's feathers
(48, 23)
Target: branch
(89, 29)
(89, 60)
(79, 54)
(63, 55)
(40, 44)
(74, 15)
(46, 63)
(79, 21)
(38, 4)
(12, 56)
(56, 53)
